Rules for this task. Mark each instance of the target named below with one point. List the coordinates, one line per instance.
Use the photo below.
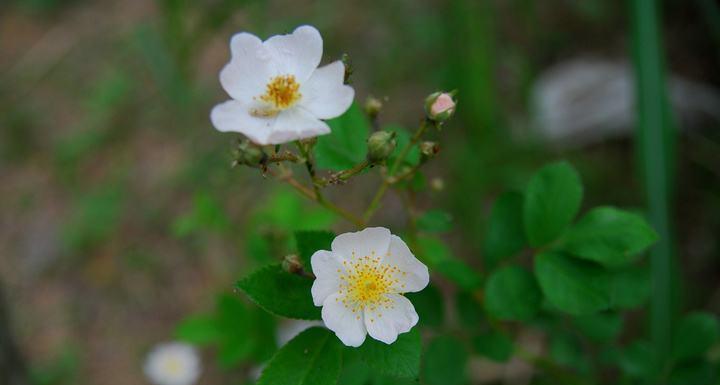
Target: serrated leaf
(694, 335)
(308, 242)
(435, 221)
(609, 236)
(505, 235)
(314, 357)
(346, 145)
(574, 286)
(511, 293)
(552, 199)
(444, 362)
(399, 359)
(280, 292)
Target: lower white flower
(173, 363)
(360, 286)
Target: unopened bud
(428, 150)
(440, 106)
(373, 106)
(248, 153)
(380, 145)
(292, 264)
(437, 184)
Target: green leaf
(314, 357)
(445, 362)
(198, 330)
(460, 273)
(637, 360)
(234, 323)
(433, 251)
(435, 221)
(701, 372)
(280, 292)
(308, 242)
(609, 236)
(511, 293)
(399, 359)
(552, 199)
(574, 286)
(505, 235)
(630, 287)
(469, 309)
(565, 349)
(600, 327)
(428, 305)
(354, 373)
(494, 345)
(346, 145)
(694, 335)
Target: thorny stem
(342, 176)
(281, 157)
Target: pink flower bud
(440, 106)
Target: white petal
(348, 326)
(298, 53)
(416, 275)
(386, 322)
(232, 115)
(324, 94)
(296, 123)
(325, 266)
(249, 70)
(362, 243)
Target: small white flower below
(173, 363)
(360, 286)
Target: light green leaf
(609, 236)
(280, 292)
(694, 335)
(436, 221)
(494, 345)
(511, 293)
(308, 242)
(399, 359)
(314, 357)
(346, 145)
(198, 330)
(445, 362)
(505, 235)
(573, 286)
(552, 199)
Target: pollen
(282, 92)
(367, 281)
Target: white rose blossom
(173, 363)
(360, 285)
(278, 92)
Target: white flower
(360, 285)
(278, 92)
(172, 363)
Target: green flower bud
(248, 153)
(380, 145)
(373, 106)
(440, 106)
(428, 150)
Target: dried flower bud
(373, 106)
(292, 264)
(380, 145)
(428, 150)
(440, 106)
(248, 153)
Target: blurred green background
(120, 214)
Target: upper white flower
(360, 285)
(278, 92)
(173, 363)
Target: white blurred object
(173, 363)
(291, 328)
(586, 100)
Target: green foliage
(314, 357)
(280, 292)
(206, 214)
(435, 221)
(95, 216)
(573, 286)
(505, 235)
(552, 199)
(308, 242)
(609, 236)
(494, 345)
(511, 293)
(199, 329)
(469, 309)
(399, 359)
(444, 362)
(638, 360)
(631, 287)
(439, 257)
(402, 138)
(601, 326)
(428, 305)
(345, 146)
(695, 334)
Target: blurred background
(120, 214)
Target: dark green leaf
(552, 199)
(630, 287)
(308, 242)
(601, 326)
(280, 292)
(694, 335)
(346, 145)
(445, 362)
(354, 372)
(494, 345)
(399, 359)
(435, 221)
(609, 236)
(314, 357)
(505, 235)
(460, 273)
(638, 360)
(573, 286)
(565, 349)
(428, 305)
(469, 309)
(699, 372)
(511, 293)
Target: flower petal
(327, 268)
(250, 68)
(298, 53)
(324, 94)
(296, 123)
(366, 242)
(416, 275)
(384, 323)
(348, 326)
(232, 115)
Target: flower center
(281, 92)
(366, 281)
